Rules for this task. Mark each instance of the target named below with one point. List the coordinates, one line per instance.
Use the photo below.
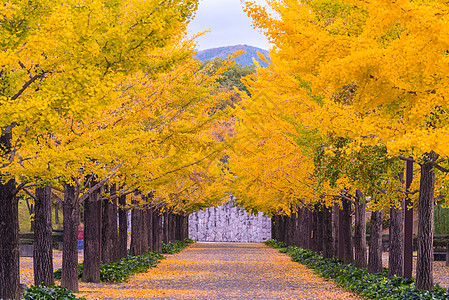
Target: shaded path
(223, 271)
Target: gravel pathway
(223, 271)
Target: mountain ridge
(244, 59)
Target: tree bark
(375, 243)
(9, 232)
(273, 227)
(43, 251)
(92, 238)
(328, 241)
(113, 232)
(424, 266)
(395, 257)
(70, 210)
(136, 238)
(123, 229)
(360, 231)
(149, 213)
(57, 207)
(165, 223)
(157, 230)
(335, 214)
(144, 230)
(347, 234)
(105, 229)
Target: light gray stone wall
(228, 223)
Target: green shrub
(275, 244)
(121, 271)
(48, 293)
(359, 281)
(176, 246)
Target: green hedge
(121, 271)
(176, 246)
(49, 293)
(359, 281)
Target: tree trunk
(9, 233)
(424, 266)
(92, 238)
(335, 215)
(185, 227)
(375, 243)
(70, 210)
(347, 234)
(43, 251)
(395, 257)
(171, 227)
(57, 207)
(136, 237)
(123, 228)
(273, 227)
(360, 231)
(165, 233)
(315, 230)
(144, 230)
(157, 230)
(105, 228)
(328, 241)
(149, 213)
(309, 229)
(113, 232)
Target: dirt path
(223, 271)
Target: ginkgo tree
(392, 58)
(62, 62)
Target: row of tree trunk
(105, 235)
(329, 231)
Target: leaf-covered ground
(219, 271)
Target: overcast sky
(228, 23)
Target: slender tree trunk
(9, 232)
(360, 231)
(395, 257)
(315, 231)
(335, 215)
(165, 234)
(295, 228)
(157, 230)
(43, 252)
(144, 230)
(105, 228)
(123, 229)
(424, 266)
(171, 226)
(113, 232)
(186, 226)
(309, 229)
(328, 241)
(70, 210)
(303, 225)
(57, 207)
(92, 238)
(136, 237)
(375, 243)
(149, 213)
(347, 234)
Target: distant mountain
(223, 52)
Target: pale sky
(228, 23)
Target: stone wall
(228, 223)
